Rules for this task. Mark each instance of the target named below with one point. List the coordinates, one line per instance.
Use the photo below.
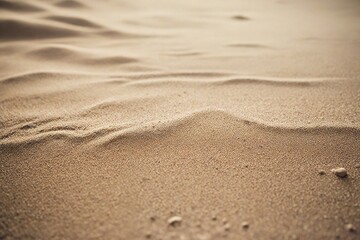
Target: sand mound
(211, 121)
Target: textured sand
(179, 119)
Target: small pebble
(357, 165)
(227, 227)
(175, 221)
(214, 218)
(245, 225)
(350, 227)
(322, 172)
(340, 172)
(148, 235)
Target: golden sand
(179, 119)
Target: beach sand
(179, 119)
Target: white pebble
(175, 221)
(350, 227)
(245, 225)
(227, 227)
(340, 172)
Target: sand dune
(179, 119)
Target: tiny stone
(245, 225)
(227, 227)
(350, 227)
(340, 172)
(175, 221)
(148, 235)
(357, 165)
(152, 218)
(214, 218)
(224, 221)
(322, 172)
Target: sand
(179, 119)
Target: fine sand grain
(179, 119)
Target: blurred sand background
(117, 115)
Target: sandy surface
(116, 116)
